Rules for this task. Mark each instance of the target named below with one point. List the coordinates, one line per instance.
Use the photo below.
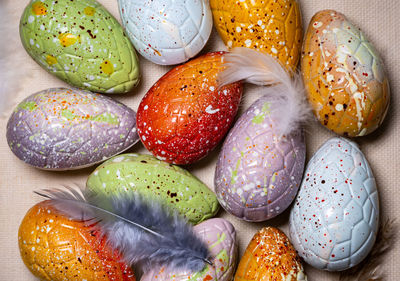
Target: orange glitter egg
(344, 76)
(270, 256)
(272, 26)
(56, 248)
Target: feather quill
(286, 94)
(145, 231)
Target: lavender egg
(64, 129)
(258, 173)
(334, 221)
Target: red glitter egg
(185, 115)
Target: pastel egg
(56, 248)
(258, 173)
(63, 129)
(149, 176)
(269, 26)
(344, 76)
(270, 256)
(334, 221)
(81, 43)
(167, 32)
(220, 236)
(185, 114)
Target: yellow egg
(270, 256)
(344, 76)
(272, 26)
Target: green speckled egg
(80, 42)
(170, 184)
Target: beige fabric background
(378, 19)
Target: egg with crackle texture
(259, 172)
(140, 173)
(344, 76)
(66, 129)
(185, 114)
(270, 256)
(270, 26)
(334, 220)
(58, 249)
(220, 237)
(81, 43)
(167, 32)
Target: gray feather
(145, 231)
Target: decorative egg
(220, 236)
(56, 248)
(334, 221)
(81, 43)
(185, 114)
(270, 256)
(167, 32)
(258, 173)
(63, 129)
(149, 176)
(344, 76)
(269, 26)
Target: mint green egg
(80, 42)
(151, 177)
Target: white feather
(286, 94)
(13, 67)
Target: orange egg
(344, 76)
(185, 114)
(270, 256)
(56, 248)
(270, 26)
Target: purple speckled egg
(220, 236)
(63, 129)
(259, 172)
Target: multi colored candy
(269, 26)
(185, 115)
(81, 43)
(167, 32)
(270, 256)
(344, 76)
(258, 173)
(334, 220)
(62, 129)
(157, 179)
(56, 248)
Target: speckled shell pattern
(258, 173)
(62, 129)
(185, 115)
(170, 184)
(167, 32)
(58, 249)
(344, 76)
(270, 256)
(81, 43)
(220, 236)
(334, 221)
(271, 26)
